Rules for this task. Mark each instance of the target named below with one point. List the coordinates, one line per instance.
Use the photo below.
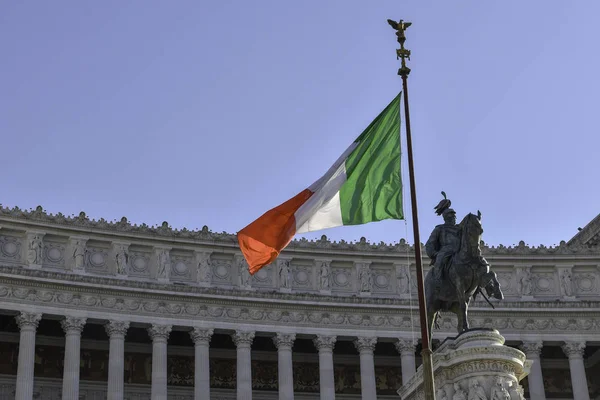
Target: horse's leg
(456, 310)
(465, 308)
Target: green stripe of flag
(373, 187)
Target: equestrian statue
(458, 270)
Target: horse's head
(472, 223)
(492, 286)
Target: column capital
(243, 338)
(532, 349)
(405, 346)
(28, 320)
(573, 349)
(73, 325)
(116, 328)
(324, 342)
(159, 332)
(284, 340)
(365, 343)
(201, 335)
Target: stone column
(285, 374)
(159, 335)
(28, 323)
(201, 338)
(73, 328)
(116, 331)
(325, 346)
(536, 382)
(574, 350)
(366, 346)
(406, 348)
(243, 341)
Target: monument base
(476, 364)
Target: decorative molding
(159, 332)
(532, 349)
(73, 325)
(405, 346)
(324, 342)
(573, 349)
(27, 320)
(365, 344)
(116, 328)
(201, 335)
(243, 338)
(284, 340)
(123, 226)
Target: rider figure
(443, 243)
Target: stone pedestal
(476, 363)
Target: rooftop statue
(459, 272)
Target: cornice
(82, 223)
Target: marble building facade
(92, 309)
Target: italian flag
(362, 186)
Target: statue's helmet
(448, 213)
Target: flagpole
(426, 354)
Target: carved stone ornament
(72, 325)
(573, 349)
(244, 272)
(204, 267)
(35, 248)
(499, 391)
(323, 342)
(284, 340)
(201, 335)
(79, 253)
(476, 391)
(405, 346)
(459, 393)
(159, 332)
(164, 264)
(116, 328)
(121, 259)
(205, 234)
(243, 338)
(284, 273)
(532, 349)
(325, 275)
(28, 320)
(365, 344)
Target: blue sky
(212, 112)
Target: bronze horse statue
(463, 277)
